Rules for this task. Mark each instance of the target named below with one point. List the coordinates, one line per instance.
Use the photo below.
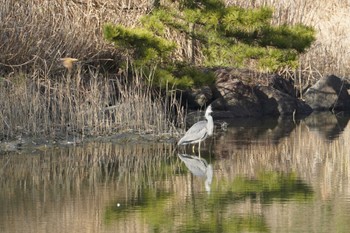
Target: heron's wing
(197, 129)
(195, 133)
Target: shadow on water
(268, 175)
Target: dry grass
(40, 32)
(82, 104)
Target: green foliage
(223, 36)
(298, 37)
(142, 44)
(183, 76)
(237, 20)
(235, 37)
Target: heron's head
(209, 110)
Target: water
(258, 176)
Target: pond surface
(258, 176)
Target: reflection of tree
(213, 213)
(269, 186)
(164, 213)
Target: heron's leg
(199, 150)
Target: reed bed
(39, 97)
(83, 104)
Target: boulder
(198, 97)
(284, 85)
(235, 97)
(276, 103)
(329, 93)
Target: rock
(198, 97)
(243, 94)
(328, 93)
(235, 97)
(276, 103)
(283, 85)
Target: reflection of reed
(67, 187)
(70, 189)
(323, 164)
(303, 152)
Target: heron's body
(199, 131)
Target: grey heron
(198, 167)
(199, 131)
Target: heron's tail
(182, 141)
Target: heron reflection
(198, 167)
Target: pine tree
(218, 35)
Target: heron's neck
(210, 124)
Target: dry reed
(82, 104)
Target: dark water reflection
(271, 175)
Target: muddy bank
(32, 144)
